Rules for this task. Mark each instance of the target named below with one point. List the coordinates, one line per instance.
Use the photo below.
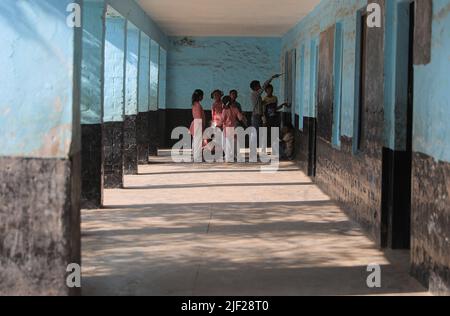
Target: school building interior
(91, 91)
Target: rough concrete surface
(229, 230)
(39, 224)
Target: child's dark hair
(255, 85)
(233, 91)
(216, 91)
(269, 87)
(197, 96)
(226, 100)
(289, 126)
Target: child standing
(270, 104)
(258, 115)
(198, 114)
(236, 106)
(287, 143)
(217, 108)
(230, 117)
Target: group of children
(226, 112)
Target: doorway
(397, 164)
(326, 94)
(289, 85)
(312, 126)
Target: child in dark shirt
(287, 143)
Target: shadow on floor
(199, 171)
(209, 185)
(233, 249)
(234, 279)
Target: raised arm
(267, 83)
(288, 105)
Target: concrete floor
(182, 229)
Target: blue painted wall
(92, 64)
(133, 12)
(152, 38)
(154, 75)
(306, 34)
(162, 91)
(114, 94)
(39, 113)
(300, 86)
(139, 92)
(226, 63)
(432, 90)
(144, 73)
(132, 65)
(431, 82)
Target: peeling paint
(225, 63)
(36, 79)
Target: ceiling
(227, 17)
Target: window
(338, 69)
(289, 83)
(301, 87)
(360, 81)
(313, 74)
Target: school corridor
(94, 95)
(230, 230)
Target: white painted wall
(227, 18)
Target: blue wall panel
(154, 75)
(132, 65)
(114, 102)
(92, 64)
(225, 63)
(432, 91)
(39, 116)
(144, 73)
(162, 93)
(307, 31)
(431, 82)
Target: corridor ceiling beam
(227, 18)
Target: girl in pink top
(230, 115)
(230, 118)
(216, 109)
(197, 111)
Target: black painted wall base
(170, 119)
(40, 227)
(352, 180)
(113, 154)
(142, 135)
(305, 146)
(396, 199)
(153, 133)
(163, 128)
(430, 224)
(91, 166)
(130, 150)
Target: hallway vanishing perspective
(96, 94)
(230, 230)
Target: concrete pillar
(131, 103)
(143, 100)
(40, 177)
(153, 113)
(114, 99)
(164, 134)
(92, 103)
